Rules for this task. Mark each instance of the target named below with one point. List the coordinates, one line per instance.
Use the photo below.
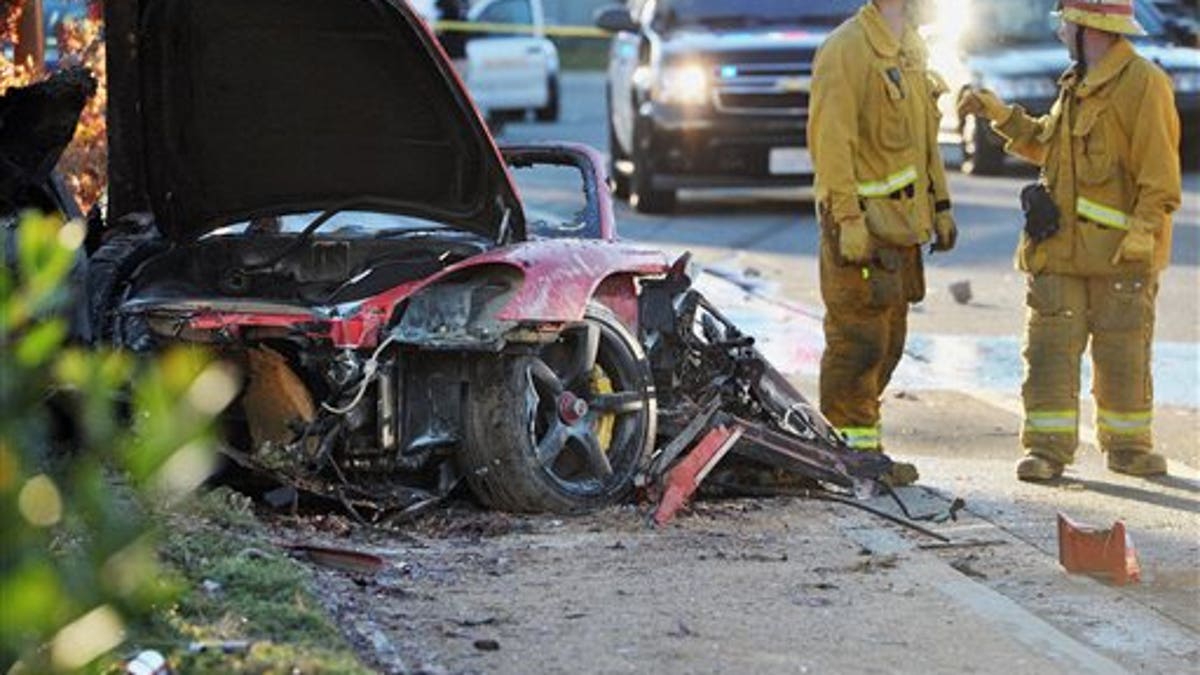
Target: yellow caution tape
(522, 28)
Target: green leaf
(33, 597)
(41, 343)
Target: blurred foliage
(89, 440)
(84, 164)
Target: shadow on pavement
(1138, 494)
(1184, 484)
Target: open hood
(222, 110)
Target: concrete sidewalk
(967, 447)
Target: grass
(239, 587)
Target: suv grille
(763, 88)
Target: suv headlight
(1186, 81)
(1012, 89)
(683, 84)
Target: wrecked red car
(307, 189)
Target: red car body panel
(571, 272)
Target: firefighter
(1097, 235)
(881, 195)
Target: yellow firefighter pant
(866, 323)
(1117, 315)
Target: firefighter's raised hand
(982, 103)
(945, 232)
(854, 242)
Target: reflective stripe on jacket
(1109, 150)
(873, 123)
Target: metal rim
(588, 407)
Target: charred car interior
(305, 189)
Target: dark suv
(711, 93)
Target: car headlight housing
(1186, 81)
(461, 310)
(683, 84)
(1013, 89)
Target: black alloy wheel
(563, 430)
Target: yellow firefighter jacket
(1109, 154)
(872, 129)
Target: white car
(509, 74)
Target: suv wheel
(565, 429)
(644, 197)
(616, 155)
(550, 112)
(981, 157)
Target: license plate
(787, 161)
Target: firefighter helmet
(1110, 16)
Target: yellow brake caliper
(601, 385)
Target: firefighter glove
(854, 242)
(945, 232)
(1136, 246)
(982, 103)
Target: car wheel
(644, 197)
(109, 271)
(981, 157)
(616, 155)
(550, 112)
(565, 429)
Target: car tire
(550, 112)
(528, 448)
(109, 271)
(981, 156)
(621, 186)
(643, 196)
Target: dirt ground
(789, 585)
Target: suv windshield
(740, 12)
(999, 22)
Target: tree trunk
(31, 37)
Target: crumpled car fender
(557, 279)
(561, 276)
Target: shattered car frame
(363, 255)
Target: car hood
(1051, 59)
(224, 110)
(690, 40)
